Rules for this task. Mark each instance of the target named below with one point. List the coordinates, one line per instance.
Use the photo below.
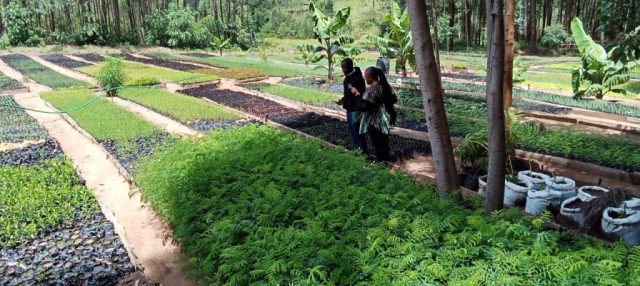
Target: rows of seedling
(53, 232)
(7, 83)
(39, 73)
(64, 61)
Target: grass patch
(103, 119)
(41, 197)
(138, 74)
(233, 73)
(300, 94)
(39, 73)
(181, 107)
(259, 206)
(269, 67)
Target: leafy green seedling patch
(39, 73)
(103, 119)
(41, 197)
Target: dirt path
(33, 86)
(167, 124)
(141, 225)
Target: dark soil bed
(593, 192)
(128, 154)
(465, 76)
(162, 63)
(255, 105)
(31, 155)
(94, 58)
(86, 253)
(576, 204)
(63, 61)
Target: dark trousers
(380, 143)
(359, 140)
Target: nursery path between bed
(64, 71)
(143, 229)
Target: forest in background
(193, 24)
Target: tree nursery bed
(39, 73)
(64, 61)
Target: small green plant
(111, 75)
(519, 69)
(219, 44)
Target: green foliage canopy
(398, 42)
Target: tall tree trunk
(435, 33)
(467, 23)
(544, 13)
(116, 17)
(242, 13)
(235, 10)
(510, 10)
(533, 27)
(559, 17)
(433, 97)
(452, 23)
(496, 127)
(228, 11)
(549, 12)
(214, 7)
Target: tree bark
(116, 17)
(452, 23)
(433, 97)
(214, 7)
(228, 11)
(510, 10)
(467, 23)
(533, 21)
(435, 33)
(496, 127)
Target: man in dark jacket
(353, 78)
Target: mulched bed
(129, 153)
(85, 253)
(94, 58)
(63, 61)
(162, 63)
(257, 106)
(31, 155)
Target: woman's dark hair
(379, 75)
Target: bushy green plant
(398, 42)
(20, 26)
(554, 37)
(111, 75)
(259, 206)
(39, 198)
(601, 73)
(219, 44)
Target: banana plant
(398, 43)
(601, 73)
(352, 53)
(309, 53)
(326, 31)
(219, 44)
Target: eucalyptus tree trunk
(533, 26)
(116, 17)
(452, 23)
(495, 76)
(510, 9)
(435, 33)
(433, 97)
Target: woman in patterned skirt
(374, 121)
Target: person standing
(353, 80)
(377, 98)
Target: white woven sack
(627, 228)
(537, 179)
(574, 214)
(482, 185)
(633, 203)
(566, 189)
(514, 192)
(538, 201)
(585, 197)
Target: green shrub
(144, 80)
(554, 37)
(111, 75)
(259, 206)
(41, 197)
